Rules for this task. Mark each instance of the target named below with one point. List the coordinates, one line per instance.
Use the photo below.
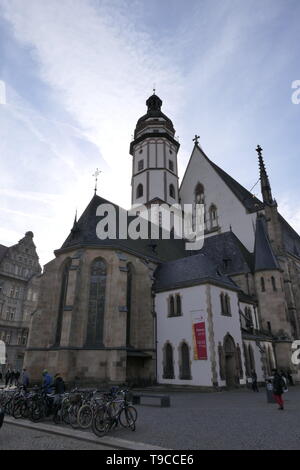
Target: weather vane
(196, 139)
(96, 174)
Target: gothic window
(96, 308)
(262, 284)
(213, 216)
(251, 358)
(247, 360)
(225, 304)
(140, 165)
(172, 191)
(273, 283)
(62, 300)
(171, 165)
(199, 194)
(168, 362)
(178, 305)
(139, 191)
(248, 317)
(185, 368)
(171, 306)
(129, 303)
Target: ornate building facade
(19, 269)
(143, 310)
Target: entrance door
(230, 361)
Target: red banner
(200, 340)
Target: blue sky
(77, 74)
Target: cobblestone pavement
(13, 437)
(238, 419)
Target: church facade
(149, 310)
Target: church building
(151, 311)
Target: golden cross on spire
(96, 174)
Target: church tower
(154, 151)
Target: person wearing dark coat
(254, 381)
(12, 378)
(17, 376)
(58, 388)
(7, 377)
(278, 388)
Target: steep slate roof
(264, 256)
(228, 253)
(84, 234)
(189, 271)
(3, 250)
(291, 239)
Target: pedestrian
(290, 378)
(7, 377)
(47, 382)
(59, 389)
(12, 378)
(25, 379)
(1, 376)
(17, 376)
(278, 388)
(254, 381)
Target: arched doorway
(230, 361)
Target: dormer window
(171, 165)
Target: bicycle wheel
(101, 422)
(128, 417)
(17, 410)
(73, 413)
(65, 405)
(85, 416)
(37, 412)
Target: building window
(172, 191)
(171, 306)
(171, 165)
(251, 359)
(129, 303)
(273, 283)
(248, 317)
(96, 307)
(185, 366)
(213, 216)
(168, 365)
(225, 304)
(140, 165)
(199, 194)
(62, 301)
(7, 340)
(262, 284)
(178, 305)
(139, 191)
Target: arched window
(96, 308)
(62, 300)
(139, 191)
(222, 300)
(273, 283)
(247, 360)
(213, 216)
(172, 191)
(171, 306)
(185, 369)
(262, 284)
(251, 359)
(168, 362)
(227, 303)
(199, 194)
(248, 317)
(178, 305)
(128, 303)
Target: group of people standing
(278, 385)
(11, 377)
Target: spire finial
(96, 174)
(196, 139)
(154, 88)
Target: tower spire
(264, 179)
